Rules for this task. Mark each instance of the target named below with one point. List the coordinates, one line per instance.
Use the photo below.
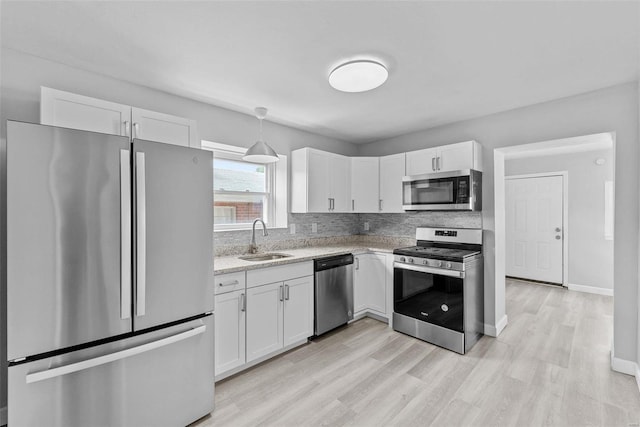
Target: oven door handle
(425, 269)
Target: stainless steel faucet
(253, 248)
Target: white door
(340, 178)
(230, 330)
(69, 110)
(391, 173)
(374, 271)
(421, 161)
(160, 127)
(455, 157)
(534, 228)
(364, 185)
(264, 320)
(298, 309)
(359, 285)
(318, 185)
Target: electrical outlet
(366, 226)
(292, 229)
(314, 227)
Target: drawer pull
(229, 283)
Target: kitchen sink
(263, 257)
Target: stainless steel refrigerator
(109, 261)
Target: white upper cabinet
(421, 161)
(65, 109)
(320, 181)
(160, 127)
(463, 155)
(392, 169)
(364, 184)
(69, 110)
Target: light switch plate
(314, 227)
(292, 229)
(366, 226)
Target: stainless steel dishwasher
(333, 292)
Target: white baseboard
(495, 330)
(624, 366)
(590, 289)
(3, 416)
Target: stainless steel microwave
(444, 191)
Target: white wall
(590, 260)
(21, 78)
(610, 109)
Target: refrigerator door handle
(125, 234)
(141, 236)
(107, 358)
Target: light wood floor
(550, 366)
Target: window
(244, 191)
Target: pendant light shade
(261, 152)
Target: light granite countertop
(230, 264)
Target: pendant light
(260, 152)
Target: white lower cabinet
(298, 310)
(278, 314)
(370, 284)
(264, 320)
(230, 310)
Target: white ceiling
(447, 61)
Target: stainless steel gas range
(438, 288)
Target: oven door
(429, 294)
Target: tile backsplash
(333, 225)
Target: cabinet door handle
(329, 199)
(357, 263)
(333, 203)
(286, 292)
(281, 293)
(433, 163)
(243, 302)
(380, 205)
(127, 128)
(438, 163)
(353, 205)
(136, 128)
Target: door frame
(565, 215)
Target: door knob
(558, 237)
(557, 229)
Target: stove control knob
(448, 265)
(402, 259)
(410, 260)
(425, 262)
(438, 263)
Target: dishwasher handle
(327, 263)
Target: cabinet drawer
(278, 273)
(229, 282)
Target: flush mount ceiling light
(358, 76)
(260, 152)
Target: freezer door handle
(125, 235)
(141, 235)
(108, 358)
